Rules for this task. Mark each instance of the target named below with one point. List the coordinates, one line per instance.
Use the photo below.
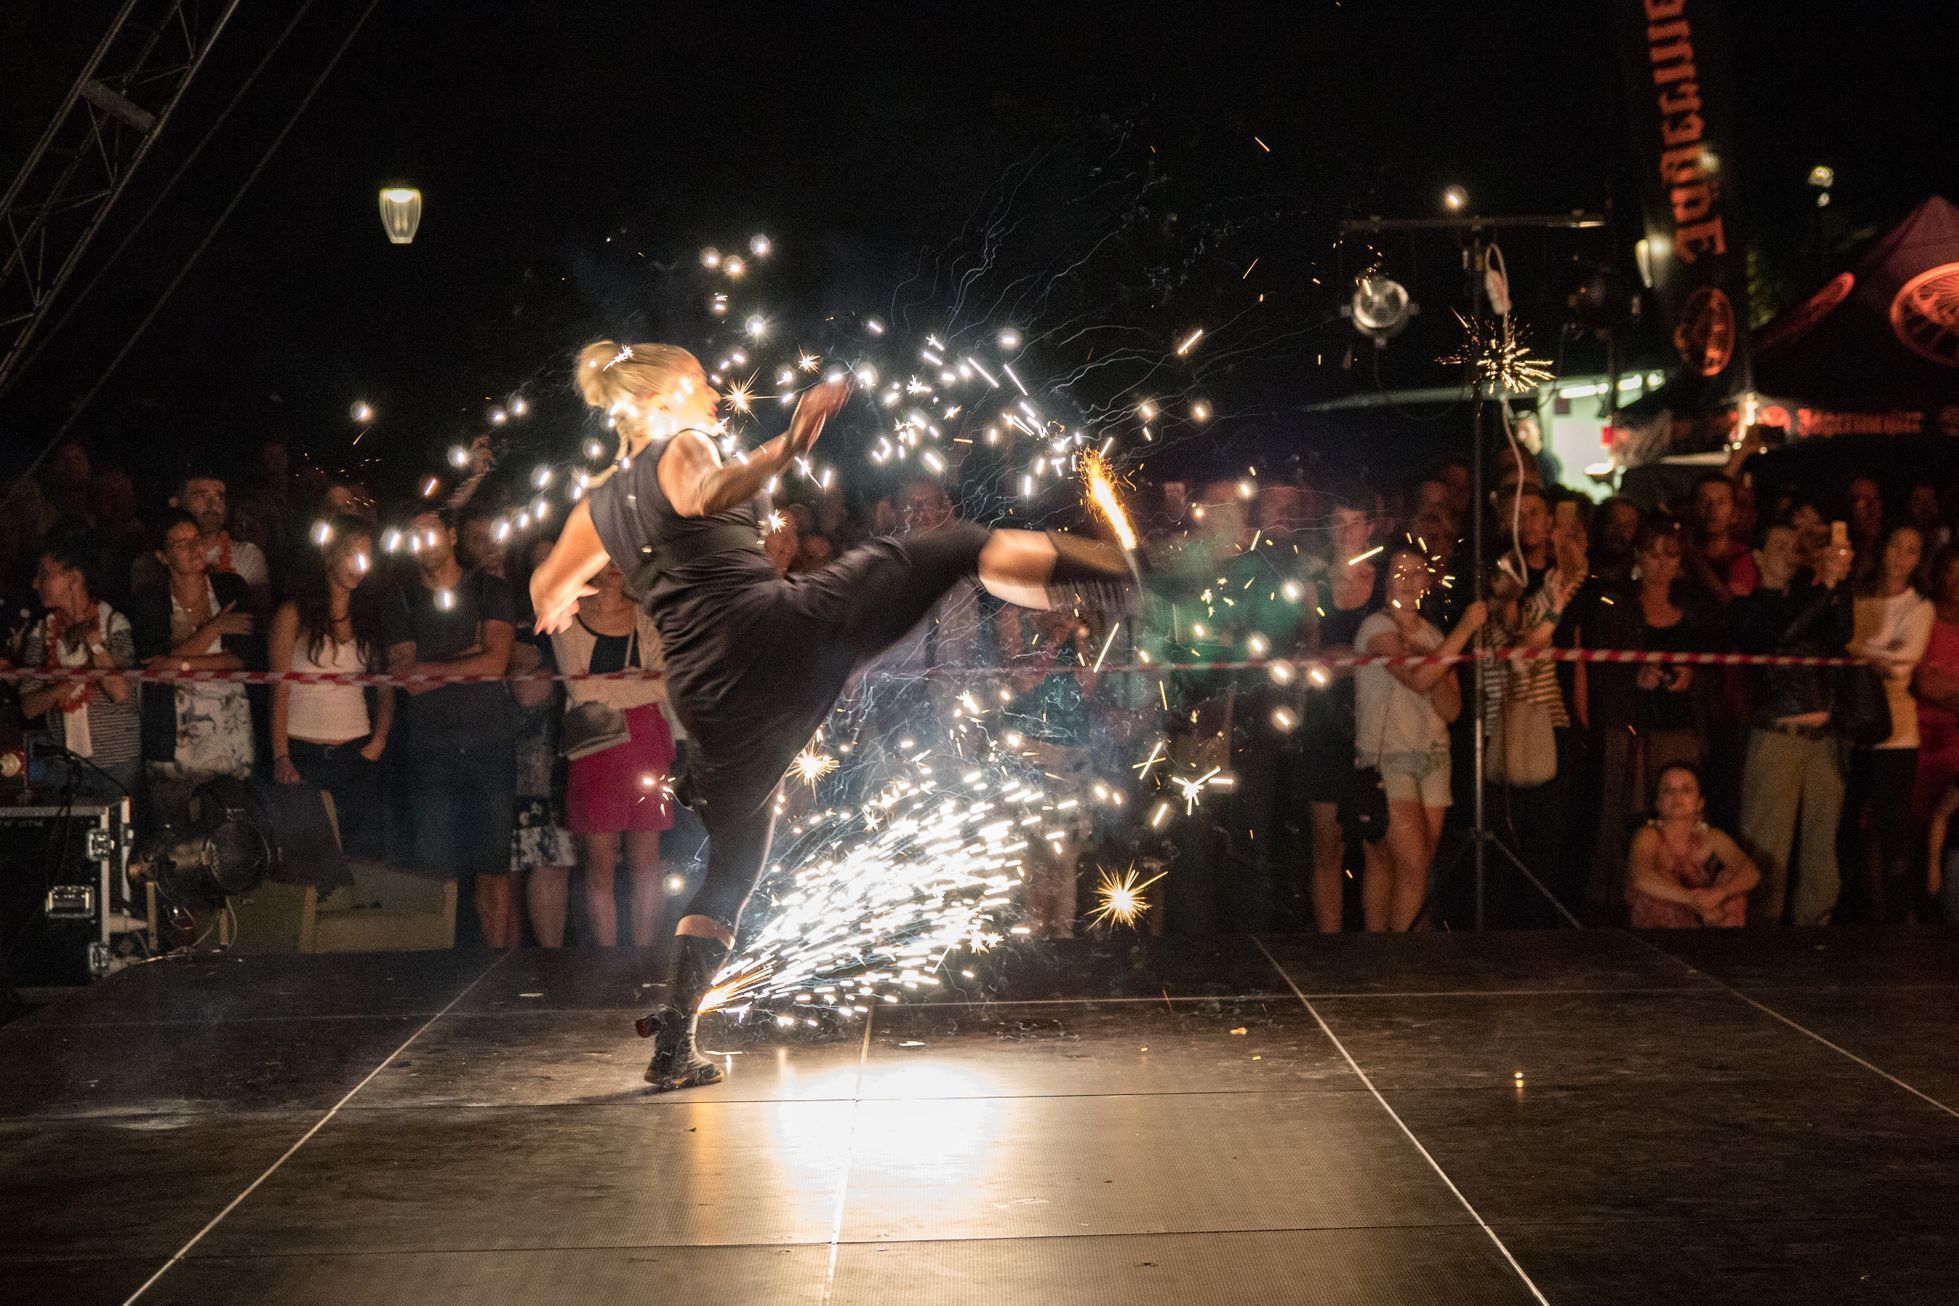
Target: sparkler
(1102, 494)
(1120, 898)
(1499, 356)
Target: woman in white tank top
(323, 735)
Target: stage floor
(1573, 1118)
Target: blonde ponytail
(616, 379)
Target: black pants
(355, 785)
(825, 627)
(1876, 847)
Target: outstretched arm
(698, 484)
(560, 581)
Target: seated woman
(1682, 872)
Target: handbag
(1522, 752)
(592, 727)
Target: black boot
(1090, 573)
(690, 973)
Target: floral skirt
(538, 839)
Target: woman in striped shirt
(95, 721)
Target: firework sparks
(1102, 493)
(811, 766)
(1191, 788)
(1499, 355)
(865, 906)
(1119, 898)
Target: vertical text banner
(1680, 111)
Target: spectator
(325, 735)
(1344, 594)
(119, 531)
(542, 850)
(1713, 548)
(1937, 688)
(202, 495)
(814, 552)
(1402, 716)
(1432, 520)
(784, 540)
(1864, 501)
(1923, 511)
(1614, 537)
(1681, 872)
(1049, 713)
(95, 722)
(477, 545)
(67, 478)
(1942, 857)
(1524, 525)
(1893, 624)
(193, 621)
(461, 772)
(951, 635)
(347, 498)
(1648, 717)
(1537, 811)
(623, 793)
(1793, 774)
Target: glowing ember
(811, 766)
(1119, 898)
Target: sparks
(1499, 356)
(1183, 350)
(1191, 787)
(1120, 898)
(811, 766)
(1102, 494)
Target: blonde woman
(755, 660)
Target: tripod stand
(1482, 839)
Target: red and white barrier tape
(1303, 665)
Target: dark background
(1088, 173)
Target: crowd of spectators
(1298, 793)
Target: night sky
(886, 149)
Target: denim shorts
(1416, 777)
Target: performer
(755, 661)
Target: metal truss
(95, 142)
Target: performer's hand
(816, 407)
(555, 610)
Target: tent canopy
(1882, 335)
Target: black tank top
(690, 602)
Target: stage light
(710, 258)
(1380, 308)
(362, 412)
(401, 213)
(1455, 199)
(759, 247)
